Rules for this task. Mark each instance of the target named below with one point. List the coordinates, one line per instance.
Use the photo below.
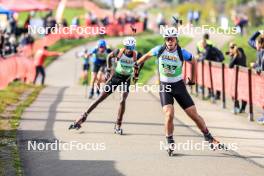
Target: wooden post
(223, 87)
(203, 80)
(236, 84)
(250, 116)
(211, 80)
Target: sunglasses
(170, 39)
(131, 48)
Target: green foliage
(183, 9)
(68, 14)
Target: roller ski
(118, 130)
(171, 146)
(75, 126)
(213, 143)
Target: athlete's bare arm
(144, 58)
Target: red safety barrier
(114, 30)
(239, 83)
(119, 30)
(16, 67)
(258, 89)
(21, 66)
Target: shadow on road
(47, 163)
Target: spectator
(121, 21)
(39, 59)
(200, 47)
(160, 20)
(87, 19)
(242, 22)
(145, 20)
(51, 23)
(196, 16)
(12, 25)
(258, 44)
(190, 16)
(105, 21)
(26, 39)
(8, 43)
(45, 19)
(76, 21)
(93, 17)
(238, 57)
(64, 22)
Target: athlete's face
(128, 52)
(101, 49)
(171, 42)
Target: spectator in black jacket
(237, 57)
(211, 53)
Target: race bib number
(170, 68)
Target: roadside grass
(10, 120)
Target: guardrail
(239, 83)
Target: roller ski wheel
(170, 152)
(75, 126)
(216, 145)
(213, 143)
